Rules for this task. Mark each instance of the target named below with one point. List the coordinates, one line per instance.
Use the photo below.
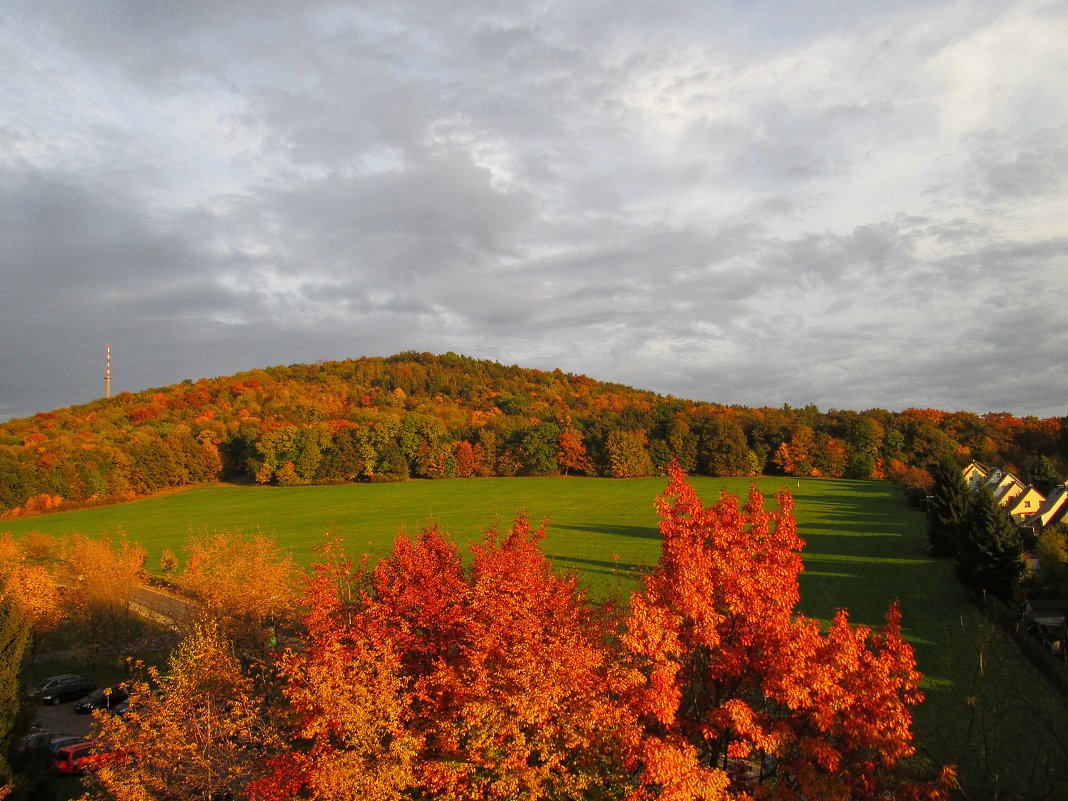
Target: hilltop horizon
(420, 415)
(118, 389)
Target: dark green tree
(682, 444)
(351, 456)
(423, 440)
(947, 507)
(310, 445)
(236, 453)
(152, 465)
(627, 455)
(928, 444)
(989, 547)
(15, 482)
(865, 439)
(861, 464)
(14, 639)
(537, 450)
(722, 449)
(894, 445)
(1042, 473)
(391, 463)
(1062, 439)
(1052, 553)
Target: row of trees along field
(420, 677)
(424, 416)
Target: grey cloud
(1039, 168)
(721, 203)
(429, 216)
(999, 351)
(65, 241)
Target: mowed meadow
(985, 711)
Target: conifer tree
(947, 507)
(989, 548)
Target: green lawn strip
(864, 547)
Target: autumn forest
(424, 416)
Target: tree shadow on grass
(858, 550)
(854, 525)
(873, 557)
(643, 532)
(847, 526)
(607, 567)
(847, 506)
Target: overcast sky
(850, 204)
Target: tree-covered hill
(418, 415)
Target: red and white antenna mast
(107, 372)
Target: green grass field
(986, 710)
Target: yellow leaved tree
(195, 731)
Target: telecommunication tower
(107, 372)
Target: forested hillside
(425, 416)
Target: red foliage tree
(743, 699)
(571, 453)
(423, 678)
(466, 463)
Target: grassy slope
(864, 548)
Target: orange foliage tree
(196, 731)
(14, 636)
(14, 639)
(571, 453)
(102, 580)
(740, 697)
(423, 677)
(35, 592)
(247, 585)
(467, 463)
(345, 686)
(29, 589)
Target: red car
(76, 758)
(69, 758)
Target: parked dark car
(36, 740)
(104, 698)
(121, 708)
(57, 689)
